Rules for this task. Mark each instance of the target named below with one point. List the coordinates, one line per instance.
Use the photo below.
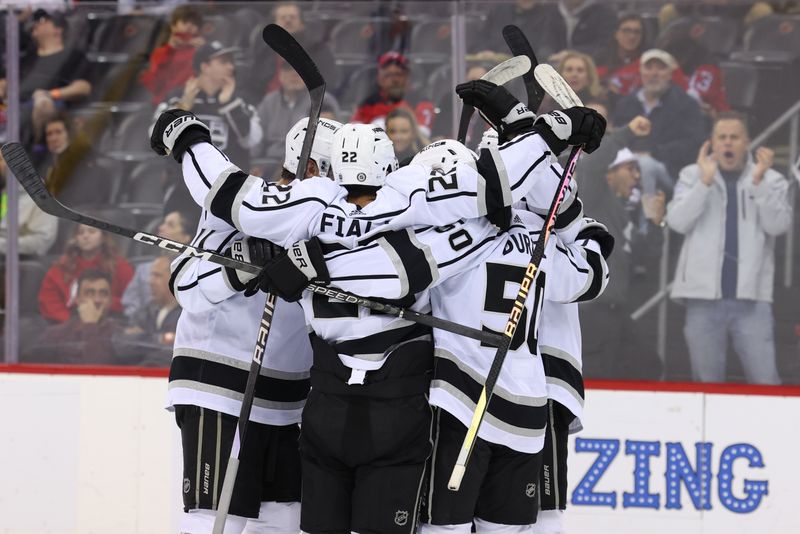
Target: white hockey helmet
(444, 155)
(320, 148)
(489, 139)
(362, 155)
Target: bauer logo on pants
(401, 517)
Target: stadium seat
(430, 41)
(741, 84)
(775, 33)
(124, 35)
(717, 34)
(145, 183)
(349, 45)
(223, 28)
(31, 274)
(358, 85)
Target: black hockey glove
(175, 131)
(572, 126)
(249, 250)
(598, 232)
(289, 274)
(498, 107)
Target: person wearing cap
(677, 124)
(393, 85)
(730, 207)
(170, 65)
(52, 76)
(609, 182)
(212, 95)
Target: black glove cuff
(292, 280)
(557, 145)
(500, 218)
(191, 136)
(602, 237)
(514, 129)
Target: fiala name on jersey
(342, 226)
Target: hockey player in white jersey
(473, 271)
(359, 358)
(560, 347)
(410, 196)
(212, 352)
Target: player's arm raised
(279, 213)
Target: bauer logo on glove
(577, 126)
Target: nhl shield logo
(401, 517)
(530, 489)
(186, 485)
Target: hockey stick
(519, 46)
(500, 74)
(20, 164)
(549, 79)
(293, 53)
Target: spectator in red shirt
(614, 63)
(87, 248)
(393, 84)
(86, 337)
(704, 83)
(171, 64)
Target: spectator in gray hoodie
(730, 207)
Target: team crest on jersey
(530, 489)
(401, 517)
(187, 486)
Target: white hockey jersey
(522, 169)
(216, 335)
(476, 277)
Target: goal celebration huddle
(371, 348)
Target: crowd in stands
(675, 157)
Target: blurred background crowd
(696, 177)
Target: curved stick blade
(552, 82)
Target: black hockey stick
(293, 53)
(561, 92)
(519, 46)
(20, 164)
(500, 74)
